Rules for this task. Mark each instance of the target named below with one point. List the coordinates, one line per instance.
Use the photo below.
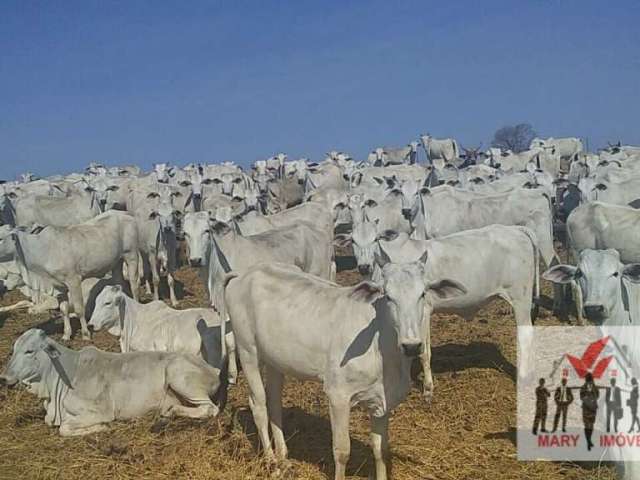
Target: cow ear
(342, 240)
(561, 274)
(447, 288)
(381, 257)
(378, 180)
(36, 229)
(153, 195)
(600, 186)
(367, 292)
(228, 277)
(113, 188)
(388, 235)
(425, 191)
(631, 272)
(153, 215)
(51, 350)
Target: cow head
(599, 275)
(197, 233)
(163, 172)
(406, 293)
(31, 357)
(108, 310)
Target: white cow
(84, 390)
(445, 150)
(358, 341)
(157, 327)
(503, 264)
(611, 294)
(65, 256)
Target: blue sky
(207, 81)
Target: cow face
(363, 241)
(163, 172)
(29, 358)
(166, 216)
(108, 310)
(229, 182)
(197, 233)
(599, 276)
(406, 292)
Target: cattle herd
(446, 235)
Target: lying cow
(84, 390)
(357, 340)
(157, 327)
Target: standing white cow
(65, 256)
(445, 150)
(358, 341)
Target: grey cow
(84, 390)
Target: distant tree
(514, 137)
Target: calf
(157, 327)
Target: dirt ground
(466, 433)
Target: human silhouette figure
(589, 394)
(614, 405)
(563, 398)
(632, 402)
(540, 420)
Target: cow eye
(29, 352)
(422, 295)
(616, 274)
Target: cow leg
(133, 273)
(76, 299)
(70, 429)
(155, 276)
(275, 379)
(380, 444)
(577, 296)
(339, 413)
(425, 360)
(201, 411)
(232, 359)
(172, 290)
(64, 309)
(257, 400)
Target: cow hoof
(66, 338)
(86, 336)
(428, 397)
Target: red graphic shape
(582, 365)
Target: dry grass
(466, 433)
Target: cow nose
(595, 312)
(167, 229)
(364, 269)
(412, 349)
(406, 213)
(300, 181)
(197, 195)
(196, 262)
